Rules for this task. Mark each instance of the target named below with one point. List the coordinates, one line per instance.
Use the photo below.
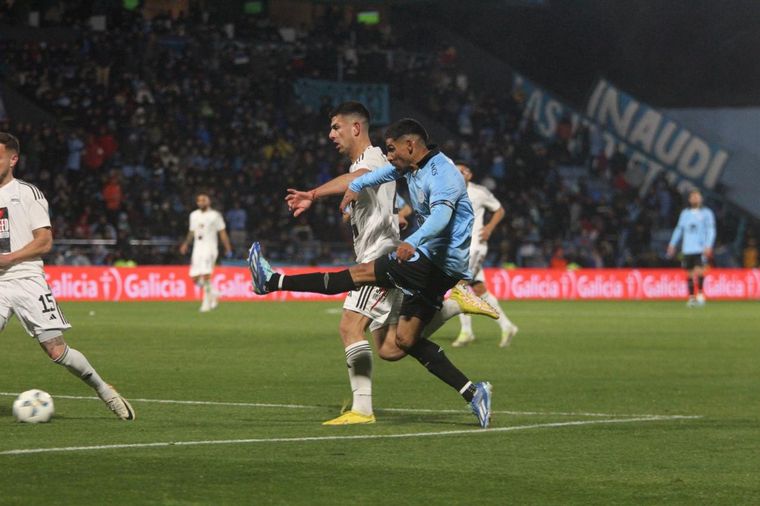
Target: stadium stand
(144, 116)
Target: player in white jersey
(206, 228)
(375, 228)
(482, 199)
(25, 235)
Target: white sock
(503, 321)
(206, 285)
(359, 360)
(78, 365)
(449, 310)
(466, 321)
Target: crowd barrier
(172, 283)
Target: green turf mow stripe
(390, 410)
(468, 432)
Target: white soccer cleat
(692, 302)
(118, 405)
(463, 339)
(700, 300)
(507, 335)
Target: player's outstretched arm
(300, 201)
(384, 174)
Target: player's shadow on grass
(5, 411)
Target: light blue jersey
(438, 195)
(697, 229)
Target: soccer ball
(33, 406)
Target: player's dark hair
(351, 107)
(10, 142)
(406, 126)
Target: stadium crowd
(155, 110)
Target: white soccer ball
(33, 406)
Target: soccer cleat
(120, 406)
(350, 418)
(507, 335)
(481, 403)
(463, 339)
(260, 269)
(691, 302)
(700, 300)
(472, 304)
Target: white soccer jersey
(374, 225)
(205, 226)
(482, 199)
(23, 209)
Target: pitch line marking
(344, 438)
(308, 406)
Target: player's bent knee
(391, 354)
(404, 343)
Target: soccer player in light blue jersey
(424, 266)
(696, 232)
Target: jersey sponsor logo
(5, 231)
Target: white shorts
(477, 257)
(202, 263)
(381, 305)
(32, 301)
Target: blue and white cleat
(481, 403)
(260, 269)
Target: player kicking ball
(25, 235)
(424, 267)
(375, 226)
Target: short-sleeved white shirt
(205, 226)
(23, 209)
(482, 199)
(373, 222)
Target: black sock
(434, 359)
(690, 283)
(317, 282)
(700, 283)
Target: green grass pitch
(595, 403)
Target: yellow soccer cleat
(350, 418)
(471, 303)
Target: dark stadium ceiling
(672, 53)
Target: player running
(25, 235)
(696, 227)
(425, 266)
(375, 228)
(482, 199)
(206, 228)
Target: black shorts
(691, 261)
(423, 283)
